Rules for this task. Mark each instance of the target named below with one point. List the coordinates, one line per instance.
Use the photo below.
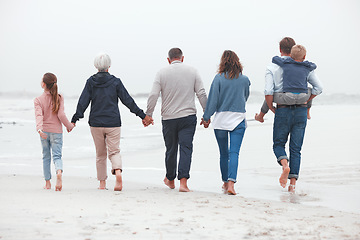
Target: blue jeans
(289, 121)
(52, 144)
(178, 133)
(229, 157)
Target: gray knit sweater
(178, 84)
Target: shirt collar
(176, 61)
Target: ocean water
(330, 168)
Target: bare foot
(47, 184)
(259, 117)
(102, 185)
(184, 189)
(118, 183)
(231, 189)
(170, 184)
(183, 185)
(58, 186)
(291, 188)
(284, 176)
(225, 187)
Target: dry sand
(81, 211)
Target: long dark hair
(230, 65)
(50, 81)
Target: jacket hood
(102, 79)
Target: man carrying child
(286, 84)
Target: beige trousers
(107, 142)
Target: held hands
(147, 121)
(70, 129)
(203, 122)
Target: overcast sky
(63, 37)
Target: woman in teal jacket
(228, 95)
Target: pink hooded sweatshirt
(46, 119)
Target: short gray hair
(175, 53)
(102, 62)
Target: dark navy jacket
(295, 74)
(104, 91)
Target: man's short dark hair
(286, 44)
(175, 53)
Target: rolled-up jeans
(229, 154)
(291, 121)
(107, 142)
(52, 145)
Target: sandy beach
(326, 204)
(64, 38)
(81, 211)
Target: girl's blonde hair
(298, 52)
(50, 81)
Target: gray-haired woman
(104, 90)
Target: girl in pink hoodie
(49, 114)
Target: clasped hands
(147, 121)
(205, 123)
(70, 129)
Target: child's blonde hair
(298, 52)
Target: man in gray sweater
(178, 85)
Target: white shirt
(274, 80)
(228, 120)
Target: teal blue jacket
(227, 95)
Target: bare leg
(285, 173)
(183, 185)
(47, 184)
(264, 109)
(170, 184)
(118, 183)
(102, 185)
(58, 186)
(260, 117)
(231, 190)
(292, 185)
